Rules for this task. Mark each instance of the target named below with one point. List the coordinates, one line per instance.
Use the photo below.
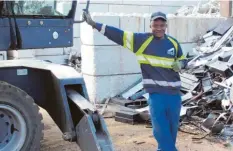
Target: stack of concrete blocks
(55, 55)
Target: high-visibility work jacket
(155, 56)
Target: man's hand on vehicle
(88, 19)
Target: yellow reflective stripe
(182, 57)
(142, 59)
(144, 62)
(153, 61)
(124, 39)
(144, 45)
(175, 45)
(128, 40)
(159, 58)
(132, 42)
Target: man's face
(158, 27)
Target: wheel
(20, 121)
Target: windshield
(41, 8)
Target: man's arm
(123, 38)
(181, 58)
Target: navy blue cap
(157, 15)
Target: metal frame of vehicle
(59, 89)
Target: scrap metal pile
(207, 99)
(206, 85)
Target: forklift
(26, 85)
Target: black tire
(21, 101)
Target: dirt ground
(125, 138)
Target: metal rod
(223, 85)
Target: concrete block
(126, 23)
(164, 9)
(108, 60)
(27, 53)
(92, 8)
(181, 3)
(129, 9)
(147, 22)
(129, 63)
(141, 2)
(32, 53)
(49, 51)
(188, 29)
(62, 59)
(90, 36)
(100, 60)
(77, 43)
(76, 30)
(102, 87)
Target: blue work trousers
(165, 115)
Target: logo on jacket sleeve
(171, 52)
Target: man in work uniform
(160, 57)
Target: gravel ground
(125, 138)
